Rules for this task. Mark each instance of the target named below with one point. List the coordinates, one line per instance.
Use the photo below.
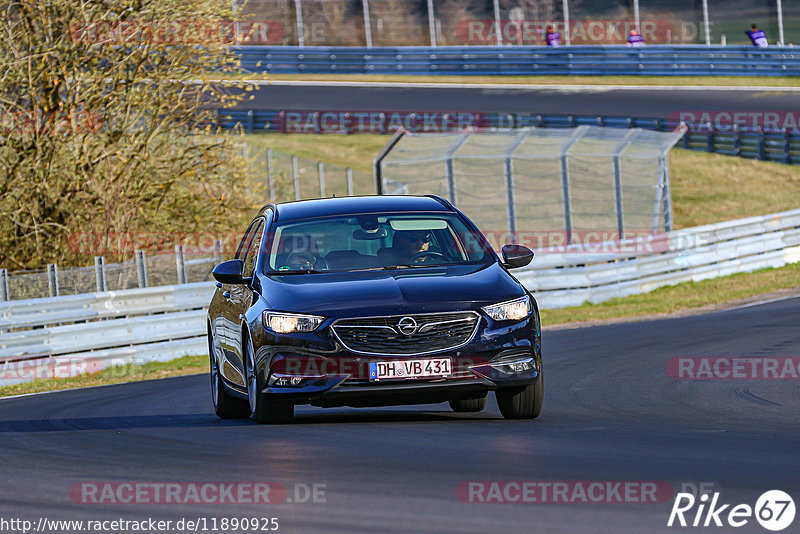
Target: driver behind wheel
(408, 246)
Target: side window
(246, 238)
(255, 245)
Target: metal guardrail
(652, 60)
(43, 336)
(777, 146)
(691, 254)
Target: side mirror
(516, 256)
(230, 272)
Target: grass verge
(706, 81)
(187, 365)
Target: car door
(226, 323)
(242, 295)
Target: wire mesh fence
(517, 22)
(285, 177)
(567, 184)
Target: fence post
(218, 250)
(4, 292)
(349, 181)
(321, 174)
(100, 273)
(52, 279)
(141, 268)
(295, 178)
(565, 189)
(299, 12)
(251, 121)
(180, 263)
(450, 166)
(270, 178)
(367, 27)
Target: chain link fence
(286, 177)
(566, 183)
(520, 22)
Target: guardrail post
(141, 268)
(52, 279)
(321, 174)
(270, 178)
(251, 121)
(762, 149)
(5, 294)
(349, 172)
(100, 273)
(737, 141)
(710, 141)
(295, 178)
(180, 263)
(787, 155)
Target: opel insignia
(371, 301)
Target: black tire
(262, 411)
(521, 403)
(468, 405)
(225, 406)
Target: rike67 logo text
(774, 510)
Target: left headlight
(511, 310)
(286, 323)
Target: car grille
(383, 335)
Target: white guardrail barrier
(65, 336)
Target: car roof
(357, 205)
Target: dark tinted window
(371, 242)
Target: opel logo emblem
(407, 326)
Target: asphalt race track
(611, 413)
(656, 103)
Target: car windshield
(363, 242)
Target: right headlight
(510, 310)
(286, 323)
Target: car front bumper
(329, 375)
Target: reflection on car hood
(393, 292)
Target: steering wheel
(420, 257)
(301, 261)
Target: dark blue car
(371, 301)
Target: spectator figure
(758, 37)
(635, 39)
(552, 38)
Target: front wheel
(262, 410)
(225, 406)
(468, 405)
(522, 403)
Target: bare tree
(107, 124)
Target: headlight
(286, 323)
(511, 310)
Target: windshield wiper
(390, 267)
(298, 271)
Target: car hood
(403, 291)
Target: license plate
(425, 368)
